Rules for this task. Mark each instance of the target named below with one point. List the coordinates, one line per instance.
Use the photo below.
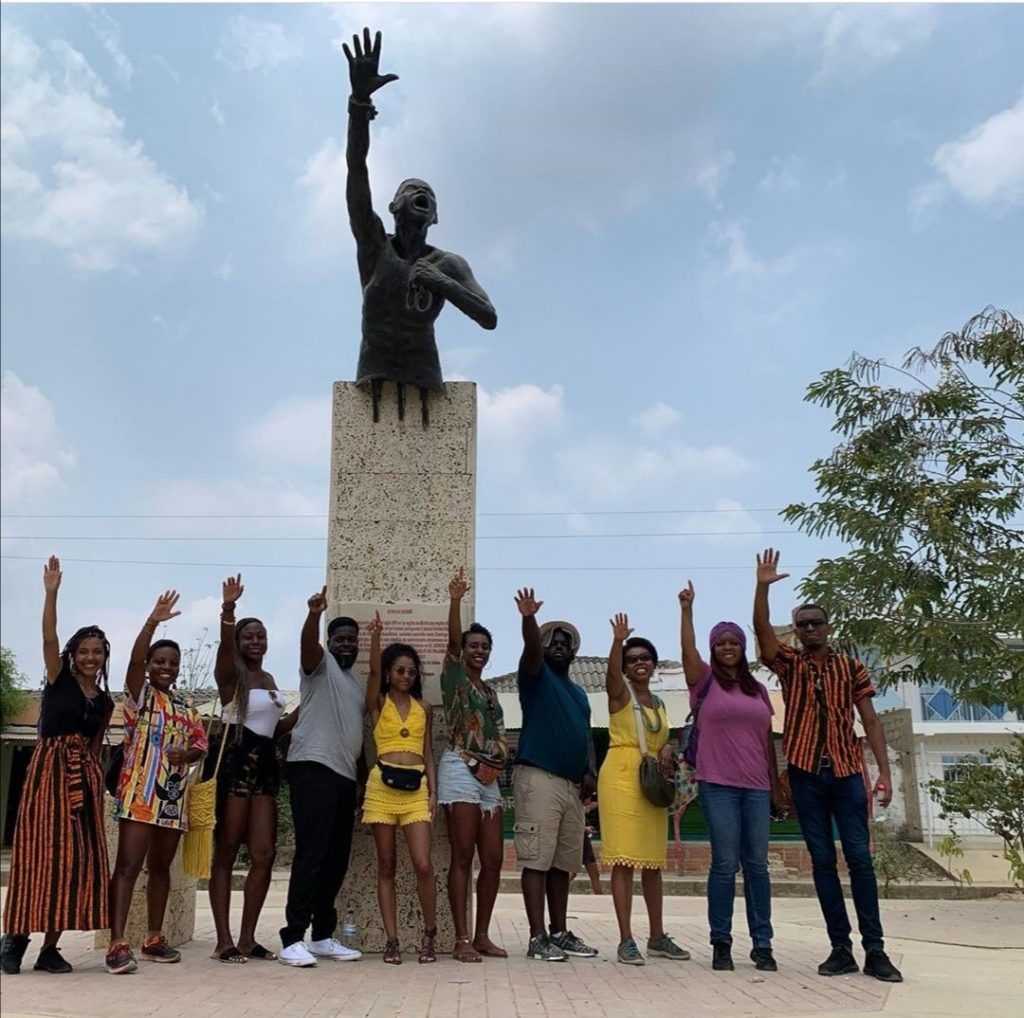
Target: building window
(952, 764)
(938, 704)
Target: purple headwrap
(721, 628)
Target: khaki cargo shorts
(549, 820)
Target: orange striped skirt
(59, 868)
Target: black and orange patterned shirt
(819, 702)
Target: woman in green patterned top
(467, 778)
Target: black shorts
(248, 767)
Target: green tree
(927, 487)
(990, 791)
(12, 696)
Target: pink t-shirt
(733, 731)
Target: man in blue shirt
(554, 764)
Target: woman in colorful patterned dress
(59, 868)
(163, 737)
(402, 732)
(468, 773)
(634, 832)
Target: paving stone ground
(958, 959)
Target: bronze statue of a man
(405, 280)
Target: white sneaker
(335, 949)
(296, 955)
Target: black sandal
(392, 952)
(427, 952)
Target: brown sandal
(427, 952)
(392, 952)
(466, 952)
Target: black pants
(323, 812)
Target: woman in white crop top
(248, 778)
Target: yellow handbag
(197, 849)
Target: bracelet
(364, 109)
(226, 622)
(150, 625)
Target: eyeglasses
(811, 623)
(635, 659)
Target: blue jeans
(737, 820)
(819, 799)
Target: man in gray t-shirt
(325, 746)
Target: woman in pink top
(738, 779)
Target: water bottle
(349, 930)
(881, 814)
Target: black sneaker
(877, 964)
(721, 960)
(572, 945)
(839, 963)
(764, 960)
(12, 950)
(51, 960)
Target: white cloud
(295, 432)
(225, 269)
(657, 419)
(739, 260)
(782, 176)
(323, 181)
(108, 31)
(217, 113)
(71, 178)
(251, 45)
(34, 452)
(985, 166)
(712, 172)
(856, 39)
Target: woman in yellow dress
(634, 832)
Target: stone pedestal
(180, 917)
(402, 520)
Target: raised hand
(52, 575)
(317, 604)
(526, 603)
(768, 567)
(363, 61)
(231, 589)
(163, 610)
(459, 586)
(620, 627)
(375, 626)
(686, 597)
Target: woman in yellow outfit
(634, 832)
(401, 790)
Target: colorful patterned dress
(152, 791)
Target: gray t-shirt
(330, 726)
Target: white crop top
(264, 711)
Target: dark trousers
(819, 799)
(323, 812)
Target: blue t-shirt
(556, 724)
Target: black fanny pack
(401, 779)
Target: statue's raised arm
(405, 280)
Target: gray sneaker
(666, 947)
(629, 954)
(542, 949)
(571, 944)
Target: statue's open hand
(363, 59)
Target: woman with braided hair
(248, 778)
(59, 867)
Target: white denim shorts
(455, 783)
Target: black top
(66, 710)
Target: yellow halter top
(393, 735)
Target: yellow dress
(634, 832)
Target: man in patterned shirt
(821, 688)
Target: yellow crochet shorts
(384, 805)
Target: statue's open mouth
(421, 203)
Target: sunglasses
(635, 659)
(811, 623)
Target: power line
(323, 516)
(321, 566)
(480, 537)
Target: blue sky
(682, 214)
